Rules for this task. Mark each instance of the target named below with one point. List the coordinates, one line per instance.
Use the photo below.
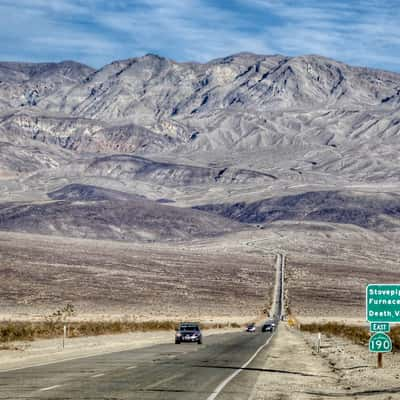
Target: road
(225, 366)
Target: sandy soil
(356, 369)
(292, 371)
(225, 278)
(328, 266)
(342, 370)
(108, 280)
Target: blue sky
(96, 32)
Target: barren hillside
(300, 150)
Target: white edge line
(84, 357)
(161, 381)
(97, 376)
(88, 356)
(72, 359)
(132, 367)
(221, 386)
(49, 388)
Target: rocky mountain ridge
(242, 129)
(237, 104)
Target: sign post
(380, 360)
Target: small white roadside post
(64, 336)
(318, 342)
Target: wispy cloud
(190, 29)
(363, 32)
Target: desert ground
(109, 279)
(205, 171)
(226, 277)
(341, 370)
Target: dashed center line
(97, 376)
(132, 367)
(161, 381)
(49, 388)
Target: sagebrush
(357, 334)
(19, 330)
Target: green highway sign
(383, 303)
(380, 343)
(379, 327)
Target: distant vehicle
(188, 332)
(268, 326)
(251, 327)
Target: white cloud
(99, 31)
(199, 31)
(359, 32)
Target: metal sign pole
(380, 360)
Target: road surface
(225, 366)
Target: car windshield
(189, 328)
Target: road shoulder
(292, 371)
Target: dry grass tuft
(357, 334)
(8, 347)
(395, 336)
(19, 330)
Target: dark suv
(188, 332)
(269, 326)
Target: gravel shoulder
(292, 371)
(356, 369)
(342, 370)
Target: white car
(251, 327)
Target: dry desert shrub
(11, 331)
(395, 336)
(357, 334)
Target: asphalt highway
(167, 372)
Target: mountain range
(188, 140)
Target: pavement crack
(350, 368)
(371, 392)
(167, 390)
(278, 371)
